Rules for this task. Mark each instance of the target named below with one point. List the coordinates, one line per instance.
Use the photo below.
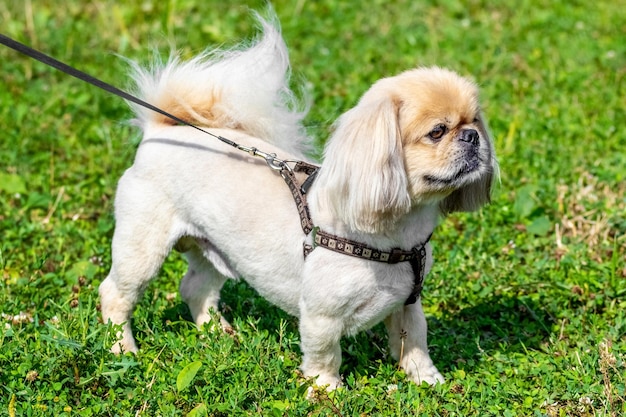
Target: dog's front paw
(428, 374)
(323, 382)
(124, 345)
(322, 385)
(330, 382)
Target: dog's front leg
(321, 349)
(407, 341)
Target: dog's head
(413, 139)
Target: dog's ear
(478, 193)
(363, 176)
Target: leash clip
(270, 158)
(275, 163)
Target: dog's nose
(470, 136)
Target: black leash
(271, 159)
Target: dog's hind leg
(201, 285)
(132, 269)
(143, 237)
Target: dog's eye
(438, 131)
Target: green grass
(527, 299)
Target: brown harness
(416, 256)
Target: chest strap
(416, 256)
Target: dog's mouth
(468, 166)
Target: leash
(416, 256)
(271, 159)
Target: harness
(416, 256)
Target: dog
(413, 149)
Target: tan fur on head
(382, 159)
(437, 96)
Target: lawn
(526, 302)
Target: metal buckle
(270, 158)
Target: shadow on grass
(239, 301)
(462, 338)
(457, 339)
(500, 324)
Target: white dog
(414, 147)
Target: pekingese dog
(414, 148)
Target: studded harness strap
(416, 256)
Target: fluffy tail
(242, 88)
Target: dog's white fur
(384, 181)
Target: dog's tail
(244, 88)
